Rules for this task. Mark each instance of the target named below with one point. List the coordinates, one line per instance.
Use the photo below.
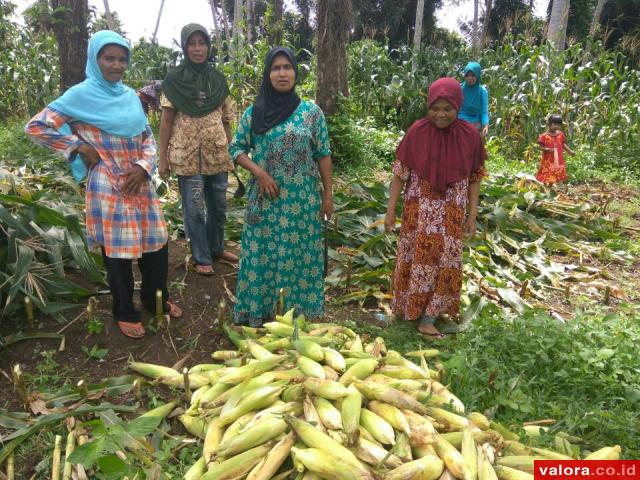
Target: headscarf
(111, 107)
(195, 89)
(272, 107)
(442, 156)
(472, 105)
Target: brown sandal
(206, 270)
(131, 330)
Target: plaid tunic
(126, 226)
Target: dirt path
(194, 335)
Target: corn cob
(270, 464)
(196, 426)
(504, 431)
(422, 450)
(329, 466)
(390, 414)
(293, 393)
(277, 344)
(506, 473)
(310, 367)
(394, 358)
(480, 437)
(153, 371)
(512, 447)
(534, 431)
(428, 353)
(212, 439)
(325, 388)
(237, 466)
(350, 410)
(311, 414)
(250, 370)
(205, 367)
(378, 427)
(390, 395)
(309, 349)
(449, 421)
(160, 412)
(338, 435)
(606, 453)
(421, 431)
(279, 329)
(485, 469)
(523, 463)
(329, 415)
(400, 372)
(402, 448)
(356, 345)
(452, 458)
(334, 359)
(428, 467)
(374, 454)
(438, 389)
(278, 408)
(469, 453)
(405, 385)
(257, 351)
(287, 318)
(316, 439)
(222, 355)
(197, 470)
(358, 371)
(261, 432)
(479, 420)
(260, 398)
(330, 374)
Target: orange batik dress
(428, 273)
(552, 167)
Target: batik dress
(428, 273)
(552, 167)
(126, 226)
(282, 244)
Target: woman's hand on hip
(133, 179)
(89, 154)
(267, 184)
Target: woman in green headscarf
(194, 133)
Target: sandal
(427, 328)
(174, 310)
(206, 270)
(229, 257)
(132, 330)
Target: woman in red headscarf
(440, 162)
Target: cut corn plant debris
(261, 412)
(530, 243)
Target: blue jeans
(204, 207)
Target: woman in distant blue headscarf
(102, 120)
(475, 107)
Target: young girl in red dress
(553, 144)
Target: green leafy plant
(96, 353)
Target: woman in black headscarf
(194, 134)
(282, 240)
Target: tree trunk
(275, 34)
(251, 20)
(108, 16)
(237, 29)
(474, 31)
(417, 35)
(227, 28)
(70, 26)
(155, 30)
(334, 23)
(216, 28)
(597, 13)
(557, 31)
(485, 25)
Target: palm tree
(417, 34)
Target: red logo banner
(587, 469)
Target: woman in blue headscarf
(475, 107)
(102, 120)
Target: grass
(585, 374)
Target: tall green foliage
(28, 66)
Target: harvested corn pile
(313, 401)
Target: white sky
(139, 16)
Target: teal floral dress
(282, 244)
